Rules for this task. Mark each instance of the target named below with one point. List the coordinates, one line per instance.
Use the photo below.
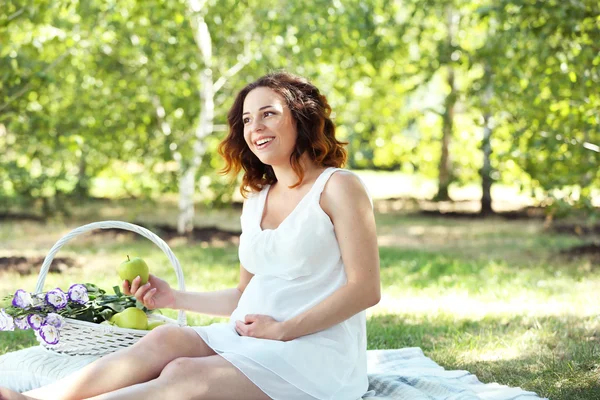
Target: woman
(309, 269)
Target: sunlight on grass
(394, 184)
(493, 297)
(463, 306)
(533, 352)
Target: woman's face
(269, 127)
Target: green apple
(131, 268)
(130, 318)
(154, 324)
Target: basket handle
(181, 319)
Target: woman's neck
(287, 177)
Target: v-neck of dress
(264, 203)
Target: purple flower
(6, 321)
(49, 334)
(55, 320)
(22, 299)
(78, 293)
(35, 321)
(22, 323)
(56, 298)
(38, 300)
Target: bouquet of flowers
(45, 312)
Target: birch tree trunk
(187, 182)
(486, 146)
(208, 88)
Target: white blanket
(393, 375)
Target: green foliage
(94, 91)
(545, 71)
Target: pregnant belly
(278, 298)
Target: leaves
(94, 92)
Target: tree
(549, 105)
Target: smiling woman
(269, 131)
(309, 268)
(295, 115)
(308, 249)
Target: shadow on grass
(556, 357)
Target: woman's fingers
(135, 284)
(142, 293)
(243, 329)
(148, 298)
(125, 287)
(139, 294)
(239, 328)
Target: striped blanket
(393, 375)
(408, 374)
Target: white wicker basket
(81, 337)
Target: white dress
(295, 267)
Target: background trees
(129, 98)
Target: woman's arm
(158, 294)
(219, 303)
(346, 202)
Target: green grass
(493, 297)
(551, 355)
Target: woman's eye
(246, 120)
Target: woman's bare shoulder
(344, 190)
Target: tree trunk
(187, 188)
(445, 167)
(486, 146)
(185, 222)
(82, 188)
(445, 175)
(208, 88)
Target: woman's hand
(262, 327)
(154, 294)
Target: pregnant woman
(309, 268)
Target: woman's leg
(185, 378)
(141, 362)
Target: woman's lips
(265, 145)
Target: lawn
(493, 296)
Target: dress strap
(253, 203)
(324, 177)
(321, 181)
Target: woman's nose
(256, 126)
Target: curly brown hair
(316, 132)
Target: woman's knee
(185, 376)
(180, 367)
(173, 341)
(161, 339)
